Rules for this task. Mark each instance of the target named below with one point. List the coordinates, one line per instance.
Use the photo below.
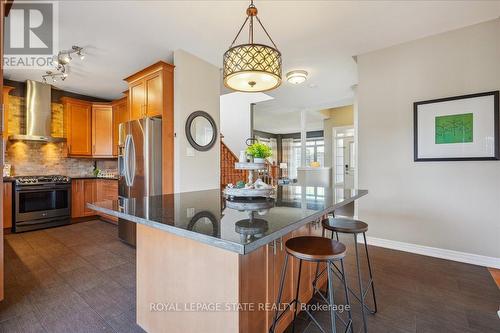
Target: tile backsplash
(29, 158)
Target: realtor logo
(31, 35)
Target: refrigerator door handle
(131, 167)
(129, 156)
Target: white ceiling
(321, 37)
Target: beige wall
(447, 205)
(341, 116)
(196, 87)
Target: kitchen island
(210, 264)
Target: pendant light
(252, 67)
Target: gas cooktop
(50, 179)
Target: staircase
(228, 174)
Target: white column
(356, 144)
(303, 137)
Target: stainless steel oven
(41, 202)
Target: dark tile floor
(77, 278)
(80, 278)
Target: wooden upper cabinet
(137, 100)
(78, 115)
(5, 120)
(102, 130)
(151, 94)
(154, 94)
(146, 91)
(120, 115)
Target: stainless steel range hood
(38, 114)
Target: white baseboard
(467, 258)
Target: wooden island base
(185, 286)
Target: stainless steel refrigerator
(139, 166)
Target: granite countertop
(207, 217)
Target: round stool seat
(345, 225)
(312, 248)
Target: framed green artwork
(457, 128)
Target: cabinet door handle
(280, 240)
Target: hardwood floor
(420, 294)
(80, 278)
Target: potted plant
(259, 151)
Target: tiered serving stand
(251, 201)
(247, 192)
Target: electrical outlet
(190, 152)
(190, 212)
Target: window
(315, 151)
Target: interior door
(349, 162)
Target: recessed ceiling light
(296, 77)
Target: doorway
(344, 156)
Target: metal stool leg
(346, 295)
(315, 281)
(360, 283)
(371, 275)
(280, 293)
(331, 296)
(297, 297)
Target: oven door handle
(41, 188)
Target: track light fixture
(62, 60)
(53, 76)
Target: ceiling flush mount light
(296, 77)
(252, 67)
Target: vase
(258, 160)
(243, 157)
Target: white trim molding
(464, 257)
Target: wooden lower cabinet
(107, 189)
(7, 205)
(92, 190)
(260, 274)
(82, 192)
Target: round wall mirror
(201, 130)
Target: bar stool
(350, 226)
(314, 249)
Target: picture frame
(458, 128)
